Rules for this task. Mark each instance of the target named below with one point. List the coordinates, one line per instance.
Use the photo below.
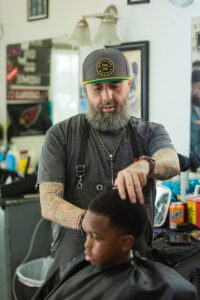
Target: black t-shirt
(60, 156)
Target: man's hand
(132, 179)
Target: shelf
(29, 87)
(11, 102)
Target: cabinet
(19, 219)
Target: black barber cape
(136, 280)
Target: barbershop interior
(43, 44)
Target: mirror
(195, 98)
(42, 85)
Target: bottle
(2, 160)
(176, 214)
(23, 162)
(10, 161)
(184, 180)
(196, 189)
(33, 161)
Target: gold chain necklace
(108, 151)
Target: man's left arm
(167, 164)
(132, 179)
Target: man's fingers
(135, 190)
(130, 189)
(120, 183)
(139, 193)
(125, 186)
(132, 184)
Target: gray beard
(108, 121)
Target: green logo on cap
(105, 67)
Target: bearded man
(103, 148)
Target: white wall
(168, 28)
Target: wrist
(151, 162)
(80, 222)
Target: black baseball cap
(108, 64)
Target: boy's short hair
(131, 218)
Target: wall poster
(28, 80)
(137, 55)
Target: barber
(105, 147)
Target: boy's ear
(127, 242)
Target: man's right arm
(55, 208)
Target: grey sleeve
(53, 159)
(158, 138)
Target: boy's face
(104, 243)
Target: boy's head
(112, 226)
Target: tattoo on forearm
(55, 208)
(167, 164)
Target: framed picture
(37, 9)
(138, 1)
(137, 54)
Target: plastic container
(184, 181)
(162, 203)
(10, 162)
(194, 210)
(32, 274)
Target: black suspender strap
(136, 145)
(81, 168)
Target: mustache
(107, 103)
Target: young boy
(108, 269)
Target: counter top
(28, 198)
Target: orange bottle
(176, 214)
